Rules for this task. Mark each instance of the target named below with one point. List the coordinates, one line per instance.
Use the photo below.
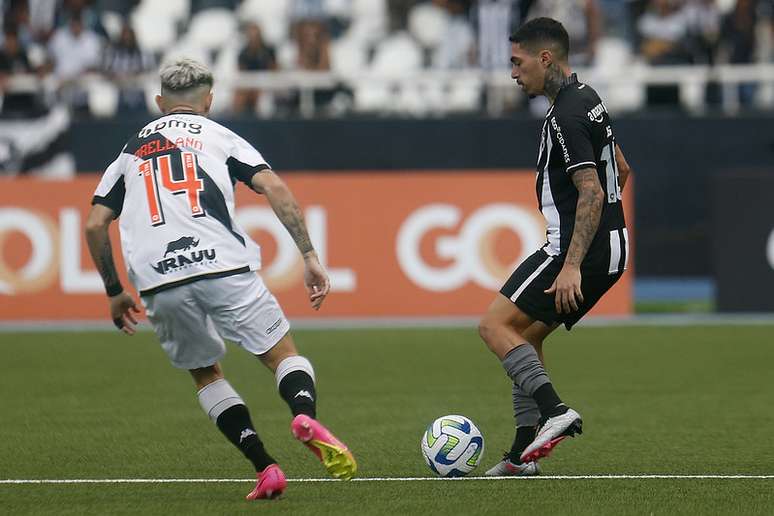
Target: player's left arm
(286, 208)
(122, 306)
(591, 197)
(574, 133)
(624, 170)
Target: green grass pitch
(678, 401)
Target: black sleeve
(243, 172)
(114, 198)
(572, 133)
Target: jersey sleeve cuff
(584, 164)
(107, 202)
(244, 172)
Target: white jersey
(173, 187)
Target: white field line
(470, 322)
(378, 479)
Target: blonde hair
(183, 76)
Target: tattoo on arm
(102, 254)
(106, 264)
(285, 207)
(288, 212)
(587, 214)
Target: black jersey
(577, 134)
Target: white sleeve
(246, 153)
(111, 189)
(244, 160)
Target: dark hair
(540, 31)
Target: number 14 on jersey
(191, 184)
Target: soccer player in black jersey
(580, 174)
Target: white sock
(218, 396)
(294, 363)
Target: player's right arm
(286, 208)
(107, 204)
(623, 166)
(122, 305)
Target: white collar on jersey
(569, 81)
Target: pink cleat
(334, 454)
(271, 484)
(544, 450)
(555, 430)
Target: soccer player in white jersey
(195, 268)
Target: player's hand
(316, 280)
(122, 310)
(567, 289)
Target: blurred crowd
(57, 42)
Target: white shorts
(192, 320)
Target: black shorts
(536, 274)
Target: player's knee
(204, 376)
(487, 328)
(273, 359)
(283, 349)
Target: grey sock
(525, 408)
(524, 368)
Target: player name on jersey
(163, 145)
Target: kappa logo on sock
(247, 432)
(305, 394)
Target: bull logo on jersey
(181, 244)
(183, 261)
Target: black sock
(548, 401)
(236, 425)
(297, 389)
(524, 437)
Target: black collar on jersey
(182, 113)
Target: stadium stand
(338, 57)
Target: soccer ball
(452, 446)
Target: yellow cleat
(334, 454)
